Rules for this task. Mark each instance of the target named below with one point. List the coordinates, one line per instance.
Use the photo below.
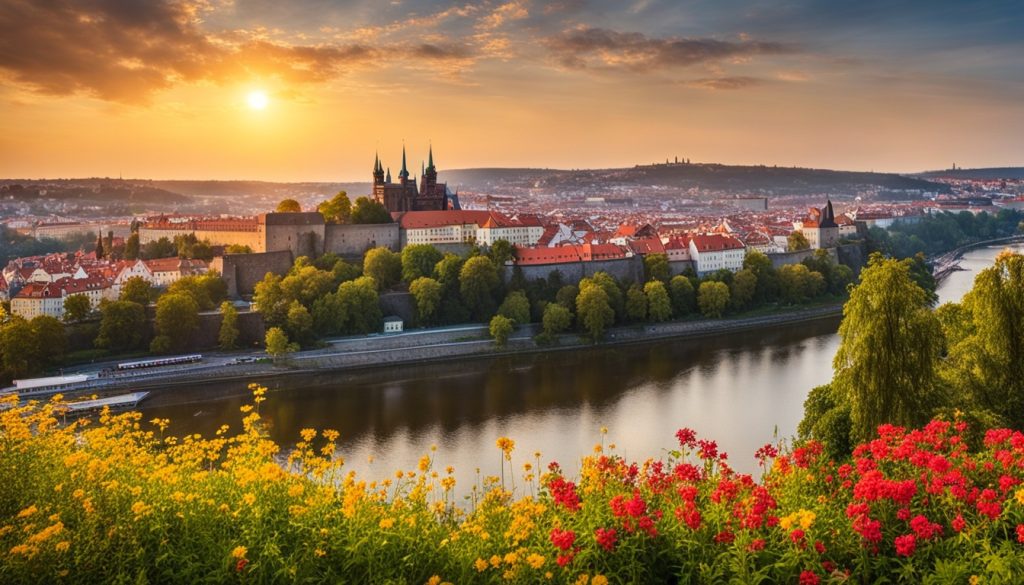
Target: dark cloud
(737, 82)
(586, 47)
(440, 52)
(124, 50)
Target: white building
(48, 298)
(711, 252)
(459, 227)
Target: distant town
(555, 220)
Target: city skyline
(307, 91)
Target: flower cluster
(115, 499)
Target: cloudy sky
(309, 89)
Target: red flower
(958, 523)
(809, 578)
(797, 536)
(756, 545)
(687, 438)
(819, 546)
(564, 560)
(1020, 533)
(606, 538)
(923, 528)
(906, 545)
(725, 537)
(564, 493)
(240, 565)
(562, 539)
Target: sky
(309, 90)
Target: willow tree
(886, 365)
(986, 356)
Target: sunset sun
(258, 100)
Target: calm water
(741, 389)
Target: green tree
(478, 281)
(361, 305)
(177, 317)
(827, 419)
(270, 301)
(890, 342)
(659, 306)
(556, 319)
(636, 304)
(798, 284)
(767, 277)
(48, 341)
(137, 290)
(237, 249)
(131, 247)
(501, 328)
(367, 210)
(299, 323)
(122, 326)
(797, 241)
(277, 344)
(330, 315)
(501, 251)
(616, 297)
(160, 248)
(384, 266)
(743, 289)
(656, 267)
(337, 209)
(427, 293)
(288, 206)
(684, 298)
(566, 296)
(76, 307)
(306, 283)
(419, 260)
(227, 338)
(713, 298)
(18, 349)
(593, 311)
(986, 345)
(516, 307)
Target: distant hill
(250, 188)
(779, 180)
(993, 173)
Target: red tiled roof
(567, 254)
(646, 246)
(716, 242)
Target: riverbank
(947, 263)
(439, 346)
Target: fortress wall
(241, 272)
(355, 239)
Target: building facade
(404, 195)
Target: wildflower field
(119, 500)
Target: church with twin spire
(404, 195)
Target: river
(741, 389)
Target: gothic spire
(388, 179)
(430, 158)
(404, 173)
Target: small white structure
(393, 324)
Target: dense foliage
(945, 231)
(119, 500)
(900, 361)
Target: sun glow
(258, 100)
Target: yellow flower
(424, 464)
(583, 579)
(308, 434)
(535, 560)
(387, 523)
(28, 511)
(249, 498)
(599, 580)
(481, 565)
(506, 445)
(319, 552)
(495, 561)
(239, 552)
(1019, 495)
(296, 490)
(140, 508)
(435, 580)
(62, 546)
(974, 580)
